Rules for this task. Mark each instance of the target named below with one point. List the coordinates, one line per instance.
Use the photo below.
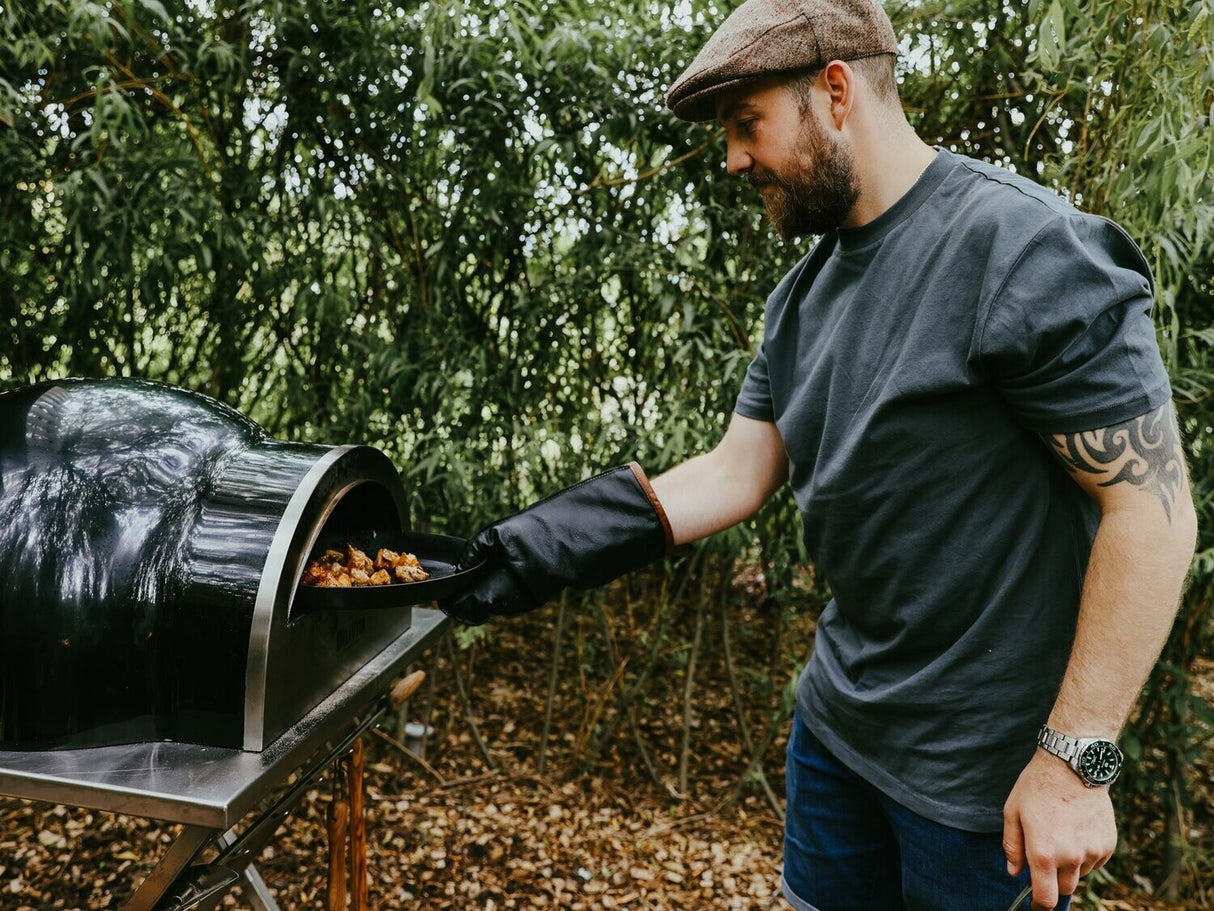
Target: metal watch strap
(1064, 747)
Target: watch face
(1100, 762)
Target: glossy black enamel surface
(137, 526)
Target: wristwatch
(1095, 760)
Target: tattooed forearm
(1144, 451)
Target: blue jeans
(848, 847)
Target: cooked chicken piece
(381, 577)
(314, 575)
(386, 559)
(360, 576)
(407, 573)
(356, 559)
(332, 556)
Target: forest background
(469, 233)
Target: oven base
(211, 789)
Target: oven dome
(151, 539)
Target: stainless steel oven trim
(281, 562)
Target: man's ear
(839, 80)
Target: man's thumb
(1013, 845)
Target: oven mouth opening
(363, 516)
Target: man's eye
(746, 127)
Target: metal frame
(211, 789)
(271, 590)
(273, 683)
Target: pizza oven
(151, 545)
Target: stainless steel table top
(201, 785)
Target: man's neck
(887, 169)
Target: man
(961, 383)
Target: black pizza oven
(151, 545)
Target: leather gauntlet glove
(581, 537)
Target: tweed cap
(767, 37)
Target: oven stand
(212, 791)
(199, 886)
(256, 890)
(188, 845)
(176, 885)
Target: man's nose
(737, 159)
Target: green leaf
(1051, 37)
(157, 9)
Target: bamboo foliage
(468, 231)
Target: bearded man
(960, 382)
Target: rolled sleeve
(1068, 339)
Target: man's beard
(817, 191)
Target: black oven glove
(581, 537)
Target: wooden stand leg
(339, 824)
(358, 831)
(349, 819)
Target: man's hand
(1060, 828)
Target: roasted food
(335, 569)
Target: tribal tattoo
(1143, 451)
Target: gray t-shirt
(910, 365)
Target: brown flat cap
(767, 37)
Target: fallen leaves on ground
(500, 842)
